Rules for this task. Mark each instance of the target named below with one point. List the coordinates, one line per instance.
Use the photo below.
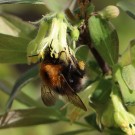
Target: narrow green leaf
(128, 74)
(127, 95)
(21, 97)
(22, 28)
(132, 44)
(29, 117)
(75, 132)
(13, 49)
(22, 81)
(20, 1)
(104, 38)
(53, 5)
(56, 6)
(8, 28)
(128, 7)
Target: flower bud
(75, 34)
(109, 12)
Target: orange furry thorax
(50, 74)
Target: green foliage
(15, 26)
(14, 40)
(53, 5)
(26, 117)
(82, 52)
(128, 74)
(21, 82)
(20, 1)
(13, 49)
(21, 97)
(110, 86)
(127, 94)
(75, 132)
(104, 39)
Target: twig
(85, 37)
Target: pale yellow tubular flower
(123, 119)
(32, 49)
(50, 39)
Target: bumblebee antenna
(33, 55)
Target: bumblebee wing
(72, 96)
(48, 95)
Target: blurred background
(125, 27)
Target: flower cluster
(52, 35)
(114, 114)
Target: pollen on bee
(81, 65)
(42, 54)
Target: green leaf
(104, 38)
(19, 27)
(56, 6)
(127, 95)
(128, 74)
(102, 92)
(127, 57)
(75, 132)
(90, 8)
(115, 131)
(53, 5)
(21, 97)
(99, 99)
(22, 81)
(13, 49)
(8, 28)
(82, 53)
(91, 119)
(132, 44)
(128, 7)
(20, 1)
(29, 117)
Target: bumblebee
(61, 78)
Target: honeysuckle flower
(111, 111)
(32, 49)
(117, 116)
(55, 40)
(123, 119)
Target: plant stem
(101, 62)
(70, 15)
(85, 37)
